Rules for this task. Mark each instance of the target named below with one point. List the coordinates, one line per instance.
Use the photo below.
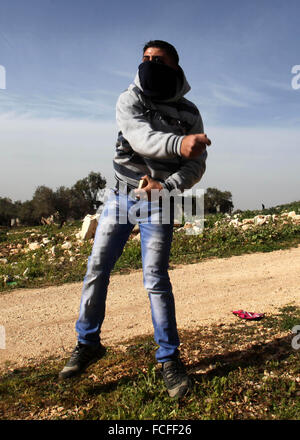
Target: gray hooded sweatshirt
(150, 137)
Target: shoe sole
(180, 391)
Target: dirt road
(40, 322)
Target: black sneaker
(176, 379)
(82, 356)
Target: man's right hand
(193, 145)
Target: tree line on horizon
(64, 203)
(83, 198)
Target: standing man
(162, 141)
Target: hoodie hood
(183, 87)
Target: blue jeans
(111, 236)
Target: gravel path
(40, 322)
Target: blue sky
(67, 61)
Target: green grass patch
(246, 370)
(52, 265)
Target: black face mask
(159, 81)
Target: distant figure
(263, 206)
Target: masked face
(158, 80)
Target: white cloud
(278, 85)
(236, 94)
(123, 74)
(86, 104)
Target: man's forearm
(188, 174)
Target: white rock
(66, 245)
(199, 223)
(89, 226)
(3, 260)
(235, 222)
(292, 214)
(137, 237)
(46, 240)
(248, 221)
(194, 230)
(136, 229)
(34, 246)
(246, 226)
(260, 220)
